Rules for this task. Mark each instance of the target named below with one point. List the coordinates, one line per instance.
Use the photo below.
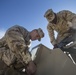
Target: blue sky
(30, 14)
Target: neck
(30, 35)
(55, 19)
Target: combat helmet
(49, 14)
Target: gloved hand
(55, 46)
(31, 68)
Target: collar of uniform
(55, 19)
(28, 36)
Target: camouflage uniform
(14, 46)
(62, 26)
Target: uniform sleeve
(51, 34)
(66, 15)
(71, 17)
(16, 43)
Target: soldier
(14, 49)
(62, 22)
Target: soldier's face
(50, 17)
(35, 35)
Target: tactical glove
(31, 68)
(55, 46)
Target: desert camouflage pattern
(14, 46)
(64, 18)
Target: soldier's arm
(51, 34)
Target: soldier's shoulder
(15, 26)
(64, 11)
(18, 26)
